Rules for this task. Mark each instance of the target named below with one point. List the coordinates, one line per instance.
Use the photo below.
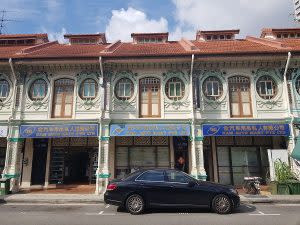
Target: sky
(119, 18)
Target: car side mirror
(192, 184)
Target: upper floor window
(38, 89)
(88, 89)
(4, 89)
(266, 87)
(240, 96)
(124, 89)
(150, 97)
(212, 88)
(63, 98)
(175, 89)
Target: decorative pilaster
(201, 173)
(193, 151)
(103, 172)
(12, 168)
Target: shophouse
(89, 111)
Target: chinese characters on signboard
(149, 130)
(56, 131)
(246, 130)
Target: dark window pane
(152, 176)
(179, 177)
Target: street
(89, 214)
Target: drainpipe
(191, 82)
(285, 81)
(101, 84)
(292, 135)
(14, 90)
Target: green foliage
(283, 172)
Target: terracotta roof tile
(232, 46)
(149, 49)
(66, 50)
(9, 51)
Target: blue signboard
(57, 131)
(150, 130)
(246, 130)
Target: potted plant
(286, 182)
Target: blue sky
(119, 18)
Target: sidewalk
(97, 199)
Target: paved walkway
(94, 199)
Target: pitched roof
(65, 51)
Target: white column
(104, 165)
(48, 163)
(193, 151)
(201, 173)
(99, 167)
(13, 155)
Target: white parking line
(294, 205)
(107, 206)
(260, 213)
(101, 212)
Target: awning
(296, 152)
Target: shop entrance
(76, 167)
(40, 147)
(181, 153)
(239, 157)
(134, 153)
(73, 161)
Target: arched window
(88, 89)
(38, 89)
(266, 87)
(175, 89)
(212, 88)
(150, 97)
(4, 89)
(240, 96)
(63, 98)
(124, 89)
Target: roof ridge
(112, 47)
(187, 45)
(267, 42)
(37, 47)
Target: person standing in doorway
(180, 163)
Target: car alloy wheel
(135, 204)
(221, 204)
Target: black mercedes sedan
(155, 188)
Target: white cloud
(56, 36)
(124, 22)
(248, 15)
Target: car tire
(135, 204)
(221, 204)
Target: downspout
(14, 90)
(285, 81)
(194, 171)
(191, 81)
(11, 117)
(290, 115)
(101, 84)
